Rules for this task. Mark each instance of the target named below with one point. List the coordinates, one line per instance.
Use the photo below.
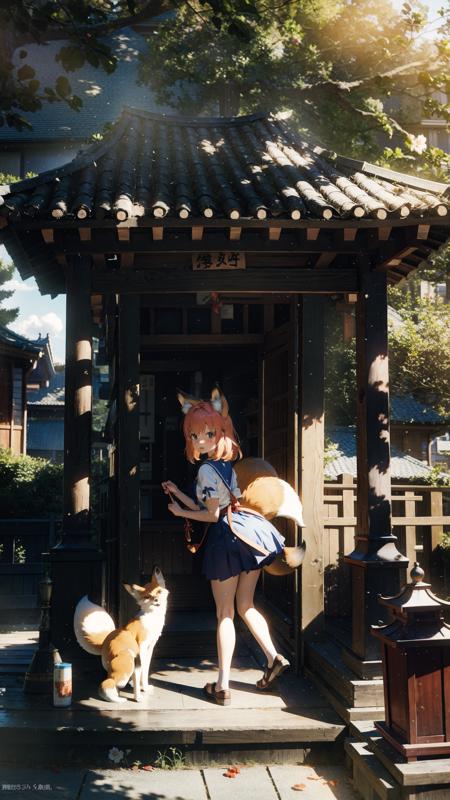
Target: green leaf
(63, 87)
(25, 73)
(71, 58)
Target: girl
(239, 542)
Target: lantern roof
(418, 614)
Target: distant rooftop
(15, 340)
(407, 409)
(52, 395)
(103, 95)
(402, 466)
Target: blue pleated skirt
(225, 555)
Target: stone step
(324, 657)
(371, 779)
(378, 765)
(347, 713)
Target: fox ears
(139, 592)
(217, 400)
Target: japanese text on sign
(234, 260)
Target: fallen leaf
(313, 778)
(331, 783)
(148, 767)
(229, 774)
(298, 787)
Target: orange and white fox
(126, 652)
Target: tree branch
(348, 86)
(153, 8)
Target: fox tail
(92, 624)
(263, 491)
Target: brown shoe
(222, 697)
(272, 673)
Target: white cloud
(33, 325)
(18, 286)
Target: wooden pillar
(78, 405)
(128, 451)
(311, 447)
(76, 563)
(376, 564)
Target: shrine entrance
(202, 249)
(250, 347)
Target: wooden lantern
(416, 668)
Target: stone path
(263, 783)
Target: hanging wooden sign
(207, 261)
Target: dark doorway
(196, 371)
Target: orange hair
(203, 415)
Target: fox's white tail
(91, 624)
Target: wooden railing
(22, 542)
(420, 514)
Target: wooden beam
(128, 450)
(199, 339)
(197, 233)
(61, 259)
(123, 234)
(126, 259)
(312, 234)
(423, 231)
(274, 233)
(350, 234)
(394, 262)
(235, 234)
(48, 235)
(325, 260)
(105, 241)
(157, 233)
(84, 234)
(99, 260)
(175, 280)
(384, 233)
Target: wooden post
(78, 404)
(410, 530)
(311, 447)
(128, 451)
(377, 566)
(436, 509)
(76, 563)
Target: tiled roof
(52, 395)
(103, 95)
(402, 466)
(251, 167)
(407, 409)
(12, 339)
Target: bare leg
(224, 593)
(251, 616)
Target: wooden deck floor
(175, 713)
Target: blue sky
(41, 315)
